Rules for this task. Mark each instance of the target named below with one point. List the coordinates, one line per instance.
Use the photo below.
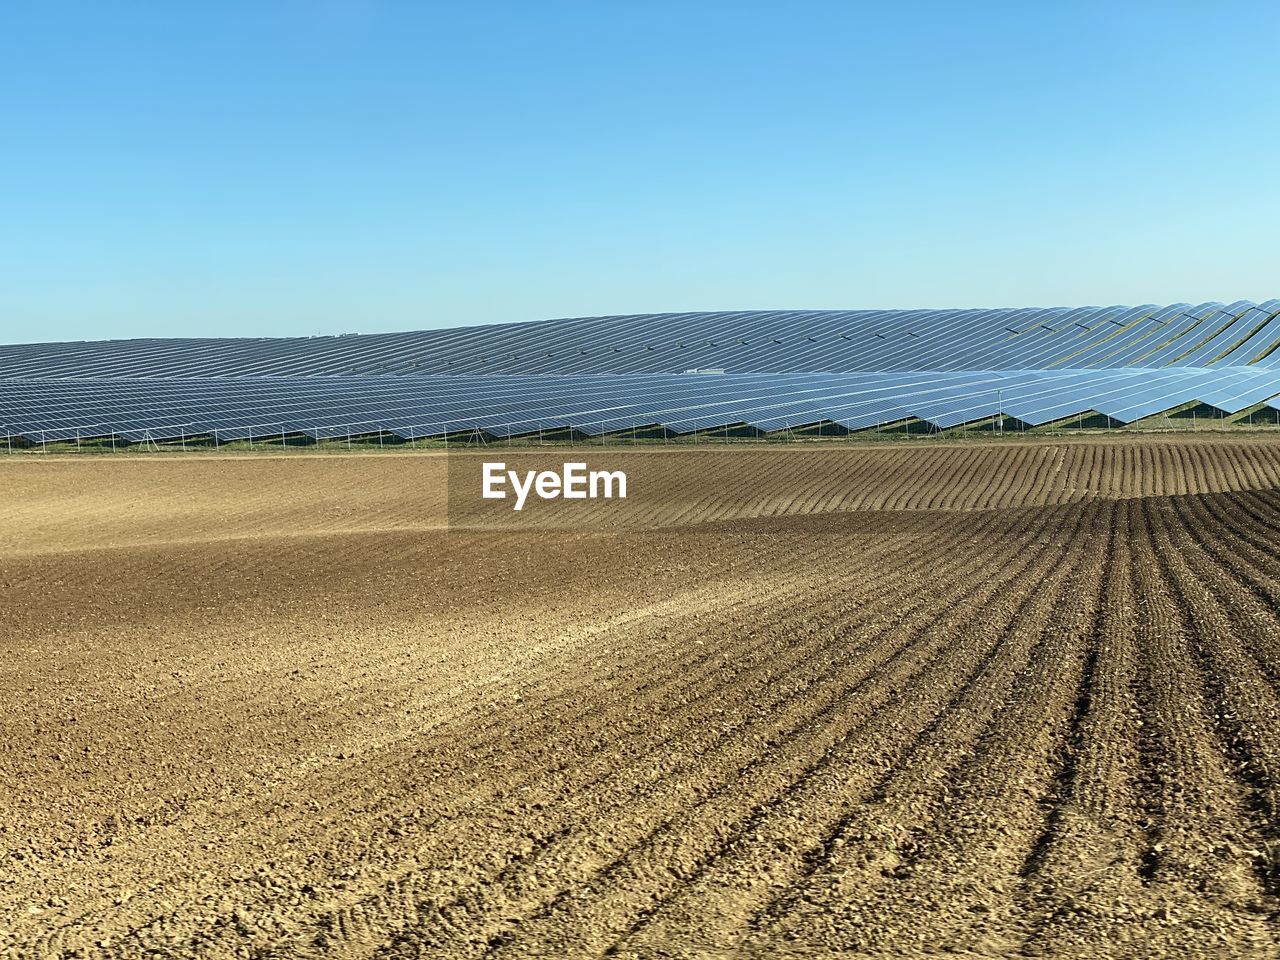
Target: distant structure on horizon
(826, 370)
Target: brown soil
(996, 700)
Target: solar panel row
(46, 411)
(857, 369)
(1208, 334)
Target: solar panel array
(775, 370)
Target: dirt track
(1003, 700)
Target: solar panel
(781, 369)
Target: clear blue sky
(243, 168)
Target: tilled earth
(985, 699)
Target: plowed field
(986, 699)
